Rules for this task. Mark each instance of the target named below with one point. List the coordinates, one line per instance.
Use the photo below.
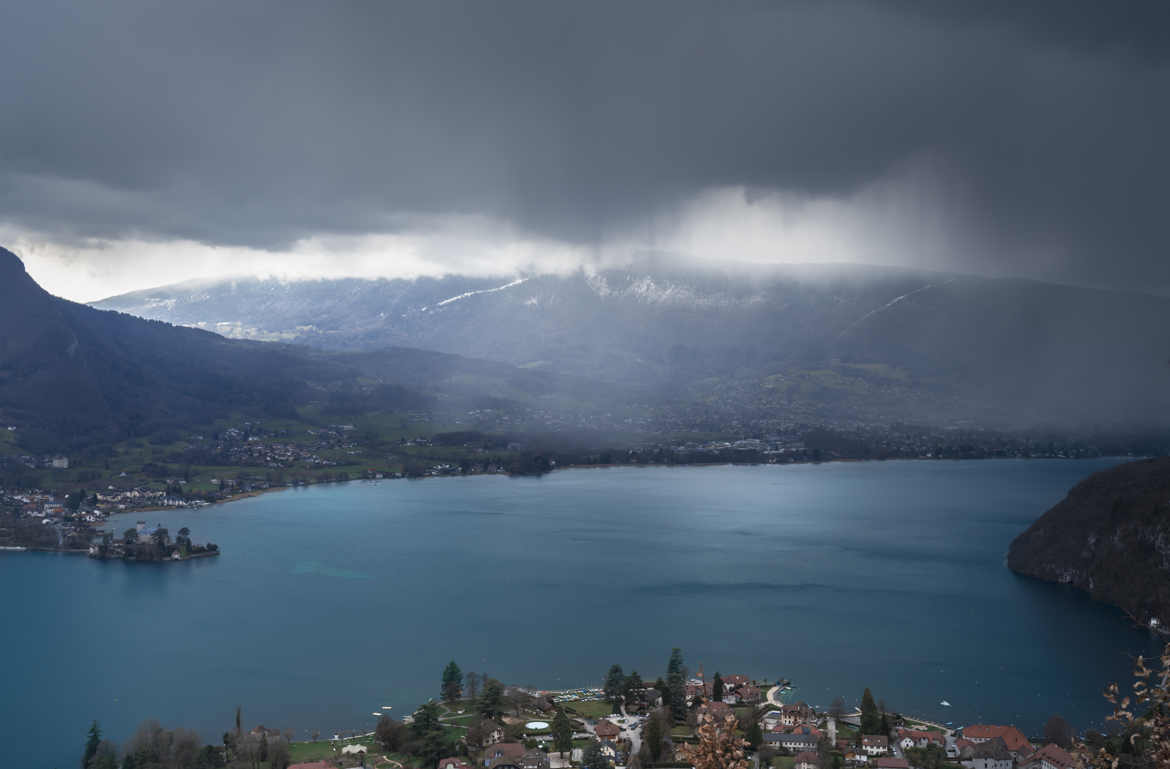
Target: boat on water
(387, 707)
(945, 704)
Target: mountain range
(826, 342)
(73, 375)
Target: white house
(771, 720)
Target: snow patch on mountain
(667, 293)
(888, 305)
(467, 294)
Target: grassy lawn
(593, 709)
(784, 762)
(324, 750)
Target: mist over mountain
(72, 375)
(830, 341)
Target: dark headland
(1109, 537)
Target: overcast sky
(144, 142)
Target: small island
(144, 544)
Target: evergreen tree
(491, 702)
(755, 735)
(632, 689)
(614, 687)
(390, 734)
(871, 722)
(452, 688)
(717, 687)
(676, 684)
(428, 729)
(91, 744)
(663, 690)
(655, 732)
(562, 732)
(426, 719)
(105, 757)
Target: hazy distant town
(62, 502)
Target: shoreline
(273, 489)
(612, 466)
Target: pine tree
(654, 733)
(676, 684)
(755, 735)
(91, 744)
(429, 730)
(870, 720)
(614, 685)
(562, 732)
(632, 689)
(717, 687)
(452, 687)
(491, 702)
(663, 690)
(105, 757)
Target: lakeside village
(676, 722)
(41, 521)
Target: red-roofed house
(889, 762)
(875, 744)
(502, 754)
(717, 710)
(796, 714)
(805, 760)
(1017, 744)
(1050, 757)
(606, 730)
(748, 694)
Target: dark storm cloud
(261, 123)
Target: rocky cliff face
(1111, 537)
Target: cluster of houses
(983, 746)
(737, 690)
(798, 729)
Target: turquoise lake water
(332, 601)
